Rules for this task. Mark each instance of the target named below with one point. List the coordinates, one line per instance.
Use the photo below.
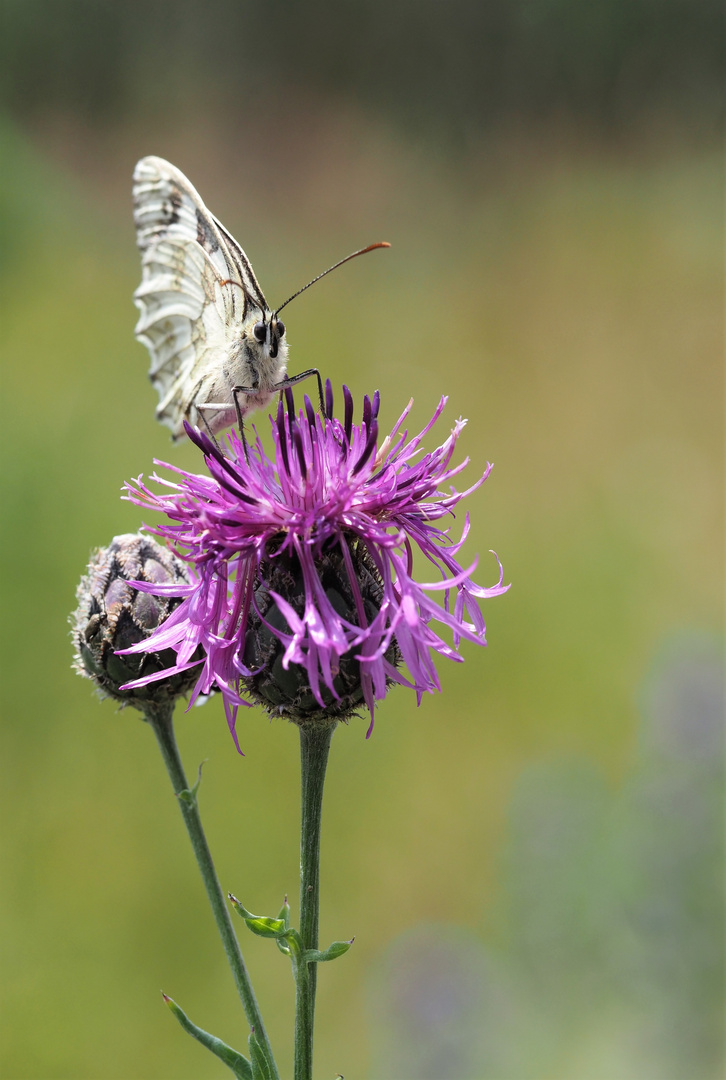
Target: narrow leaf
(315, 956)
(239, 907)
(266, 927)
(261, 1065)
(259, 924)
(235, 1061)
(293, 940)
(189, 795)
(284, 913)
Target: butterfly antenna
(363, 251)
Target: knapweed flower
(302, 593)
(113, 613)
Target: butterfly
(218, 351)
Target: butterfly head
(269, 331)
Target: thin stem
(314, 748)
(160, 719)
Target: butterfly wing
(190, 319)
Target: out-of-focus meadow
(530, 861)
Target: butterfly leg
(299, 378)
(240, 421)
(206, 424)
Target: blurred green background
(531, 861)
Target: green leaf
(259, 924)
(261, 1066)
(294, 942)
(239, 907)
(284, 913)
(189, 795)
(266, 927)
(315, 956)
(235, 1061)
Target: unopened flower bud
(112, 614)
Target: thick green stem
(314, 748)
(160, 720)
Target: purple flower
(301, 593)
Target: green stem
(314, 748)
(160, 719)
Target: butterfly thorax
(248, 373)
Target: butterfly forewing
(197, 292)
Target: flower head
(301, 591)
(114, 612)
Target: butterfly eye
(280, 327)
(260, 331)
